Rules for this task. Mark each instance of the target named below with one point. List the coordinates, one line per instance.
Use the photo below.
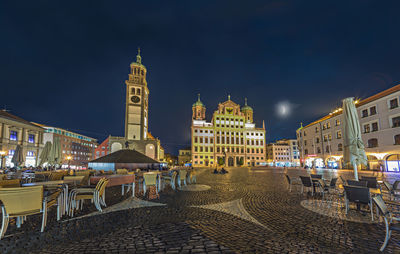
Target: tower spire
(229, 97)
(245, 101)
(138, 57)
(198, 95)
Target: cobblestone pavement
(244, 211)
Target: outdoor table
(115, 180)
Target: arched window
(393, 163)
(138, 91)
(373, 142)
(340, 147)
(132, 90)
(397, 139)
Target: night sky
(65, 63)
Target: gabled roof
(5, 114)
(125, 156)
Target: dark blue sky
(65, 63)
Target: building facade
(283, 153)
(17, 131)
(321, 142)
(137, 136)
(77, 149)
(230, 139)
(185, 156)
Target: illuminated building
(283, 153)
(321, 142)
(230, 139)
(79, 147)
(185, 156)
(17, 131)
(137, 136)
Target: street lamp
(69, 158)
(2, 154)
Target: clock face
(135, 99)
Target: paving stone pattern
(185, 225)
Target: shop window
(373, 142)
(397, 139)
(372, 110)
(394, 103)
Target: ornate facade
(230, 139)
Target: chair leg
(387, 237)
(44, 218)
(372, 210)
(4, 224)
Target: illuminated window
(13, 135)
(31, 138)
(30, 154)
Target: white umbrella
(354, 150)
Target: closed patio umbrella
(354, 150)
(18, 157)
(44, 156)
(55, 153)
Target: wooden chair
(122, 171)
(20, 202)
(10, 183)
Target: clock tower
(137, 94)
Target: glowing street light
(68, 158)
(2, 154)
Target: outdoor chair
(78, 180)
(391, 192)
(396, 185)
(358, 195)
(388, 218)
(10, 183)
(20, 202)
(342, 179)
(182, 177)
(171, 180)
(291, 182)
(308, 183)
(150, 182)
(371, 182)
(357, 183)
(86, 174)
(96, 195)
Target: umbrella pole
(355, 171)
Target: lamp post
(2, 154)
(69, 158)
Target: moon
(283, 109)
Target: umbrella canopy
(18, 157)
(354, 150)
(55, 156)
(44, 156)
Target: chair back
(388, 186)
(22, 200)
(371, 182)
(55, 176)
(182, 174)
(306, 181)
(150, 179)
(288, 179)
(10, 183)
(396, 185)
(122, 171)
(103, 187)
(357, 194)
(381, 205)
(357, 183)
(333, 182)
(342, 179)
(76, 179)
(315, 176)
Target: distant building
(17, 131)
(79, 147)
(137, 136)
(230, 139)
(103, 149)
(321, 142)
(185, 156)
(283, 153)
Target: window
(366, 128)
(138, 91)
(394, 103)
(305, 142)
(372, 110)
(324, 126)
(364, 113)
(201, 149)
(32, 154)
(13, 135)
(373, 142)
(374, 126)
(31, 138)
(397, 139)
(329, 137)
(195, 148)
(306, 151)
(316, 129)
(195, 140)
(304, 134)
(317, 140)
(396, 122)
(327, 149)
(318, 150)
(337, 122)
(328, 125)
(325, 138)
(339, 134)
